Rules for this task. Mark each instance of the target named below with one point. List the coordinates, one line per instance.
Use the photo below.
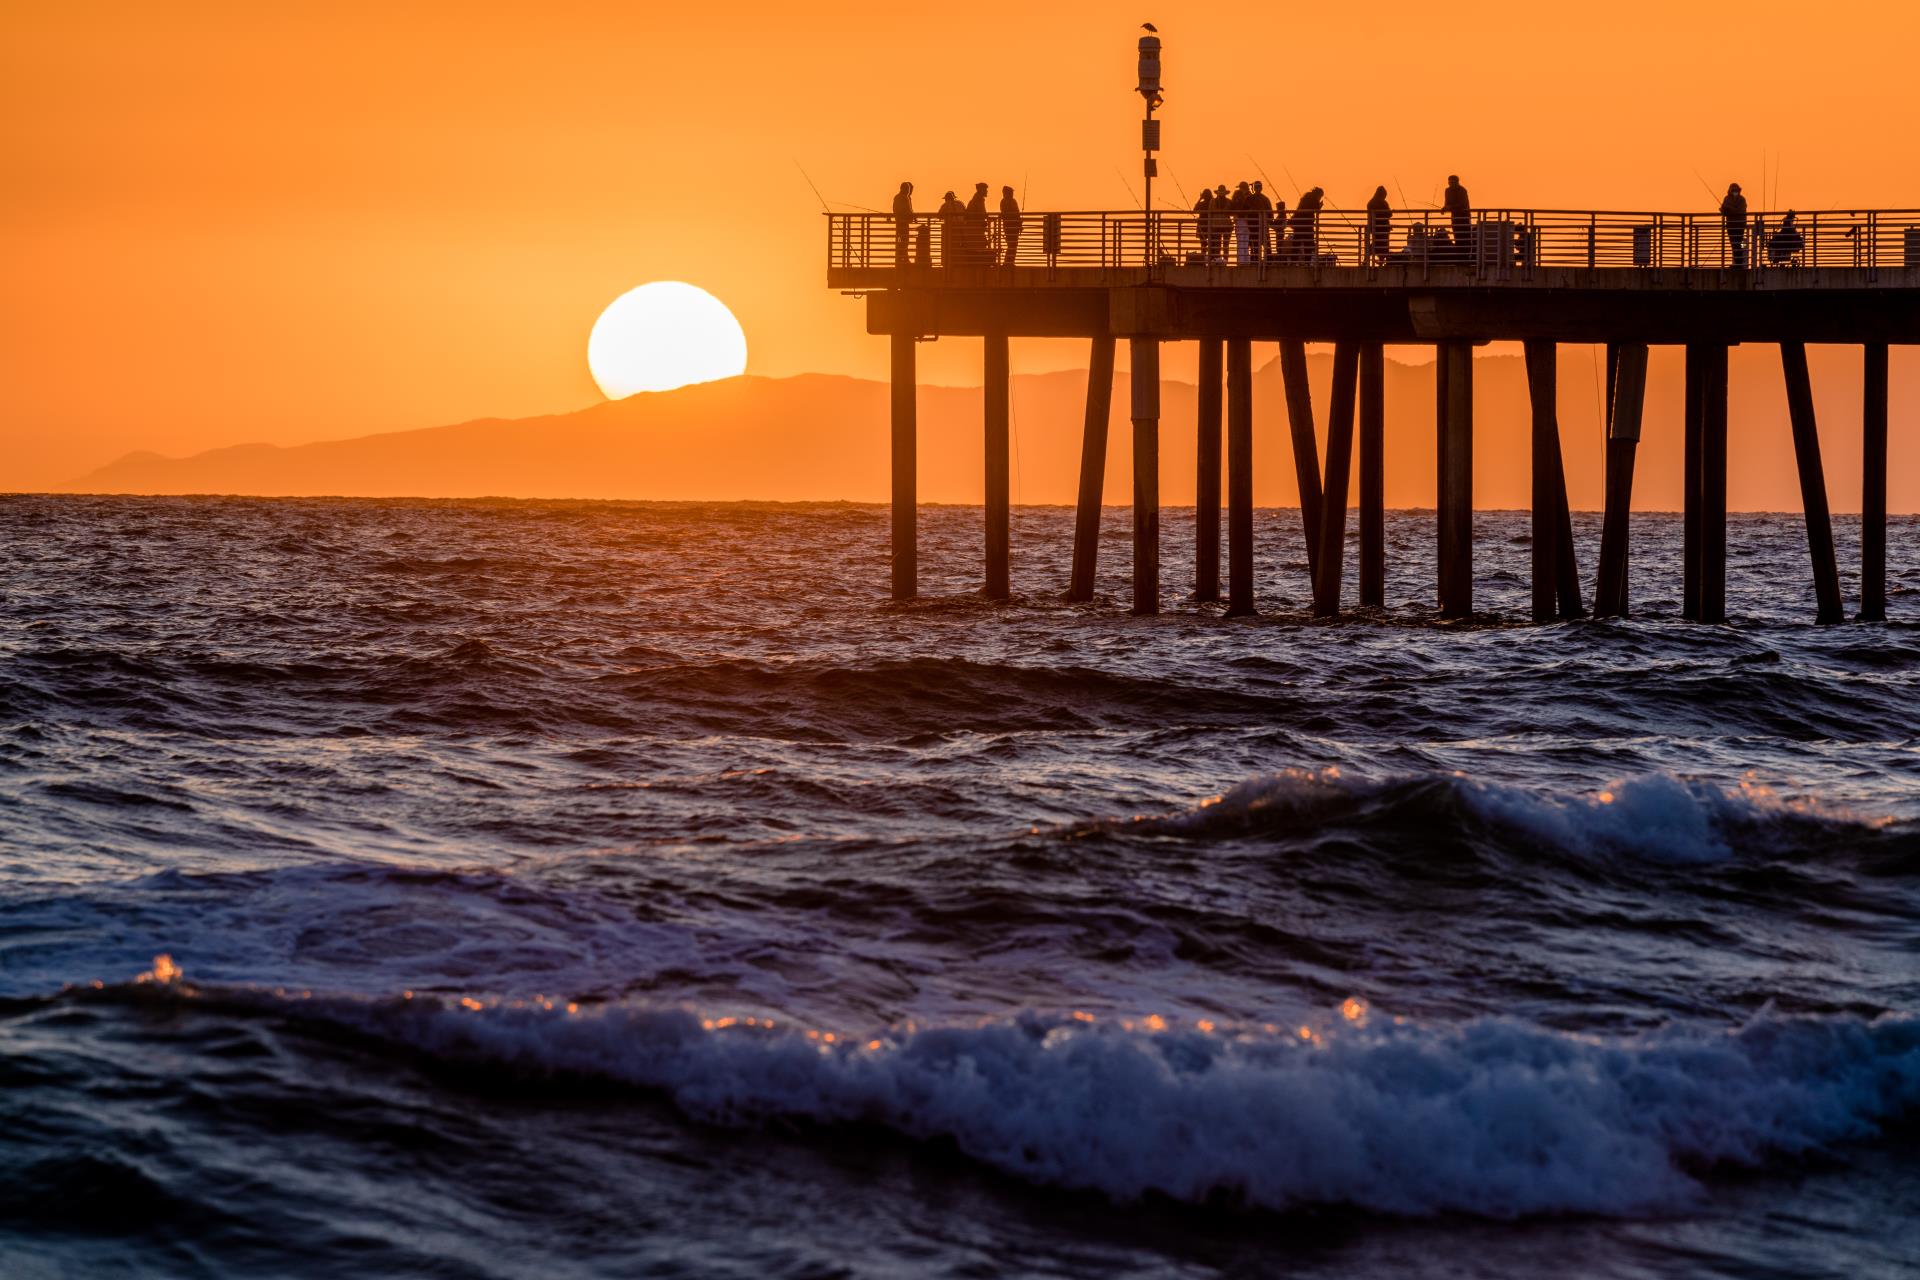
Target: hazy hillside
(823, 437)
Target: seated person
(1784, 245)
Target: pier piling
(1330, 562)
(1093, 469)
(1713, 484)
(1691, 481)
(1626, 403)
(905, 496)
(1813, 483)
(1551, 519)
(1306, 450)
(1873, 486)
(1454, 422)
(1145, 358)
(998, 504)
(1206, 489)
(1239, 477)
(1373, 475)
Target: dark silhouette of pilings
(1331, 560)
(1454, 422)
(1873, 486)
(1373, 475)
(1206, 499)
(1306, 450)
(1556, 576)
(1813, 483)
(998, 504)
(1093, 469)
(1145, 358)
(906, 432)
(1239, 477)
(1626, 402)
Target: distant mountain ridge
(824, 437)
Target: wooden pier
(1361, 282)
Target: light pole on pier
(1149, 89)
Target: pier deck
(1360, 281)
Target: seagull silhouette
(1148, 26)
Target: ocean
(552, 889)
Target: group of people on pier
(969, 236)
(1246, 227)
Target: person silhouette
(1262, 208)
(902, 223)
(1222, 222)
(1203, 223)
(1306, 226)
(1242, 205)
(1010, 223)
(1457, 205)
(1379, 225)
(951, 214)
(976, 227)
(1733, 213)
(1786, 243)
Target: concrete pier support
(1306, 450)
(905, 497)
(1093, 470)
(1239, 477)
(1206, 492)
(1454, 420)
(1626, 403)
(1145, 353)
(1873, 487)
(998, 498)
(1556, 585)
(1713, 485)
(1373, 475)
(1331, 561)
(1813, 483)
(1695, 418)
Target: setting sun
(664, 335)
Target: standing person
(1242, 206)
(1262, 222)
(1379, 226)
(1203, 223)
(1010, 223)
(902, 223)
(1222, 221)
(1279, 250)
(1306, 219)
(1733, 212)
(1456, 203)
(976, 227)
(951, 214)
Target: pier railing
(1494, 244)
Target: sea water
(571, 888)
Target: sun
(664, 335)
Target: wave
(1490, 1118)
(1652, 817)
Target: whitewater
(571, 888)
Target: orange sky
(236, 222)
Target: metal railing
(1490, 243)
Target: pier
(1364, 280)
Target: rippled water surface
(604, 889)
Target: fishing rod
(824, 208)
(1128, 186)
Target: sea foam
(1490, 1117)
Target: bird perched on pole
(1148, 26)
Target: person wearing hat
(977, 255)
(1010, 222)
(1733, 212)
(1222, 222)
(951, 213)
